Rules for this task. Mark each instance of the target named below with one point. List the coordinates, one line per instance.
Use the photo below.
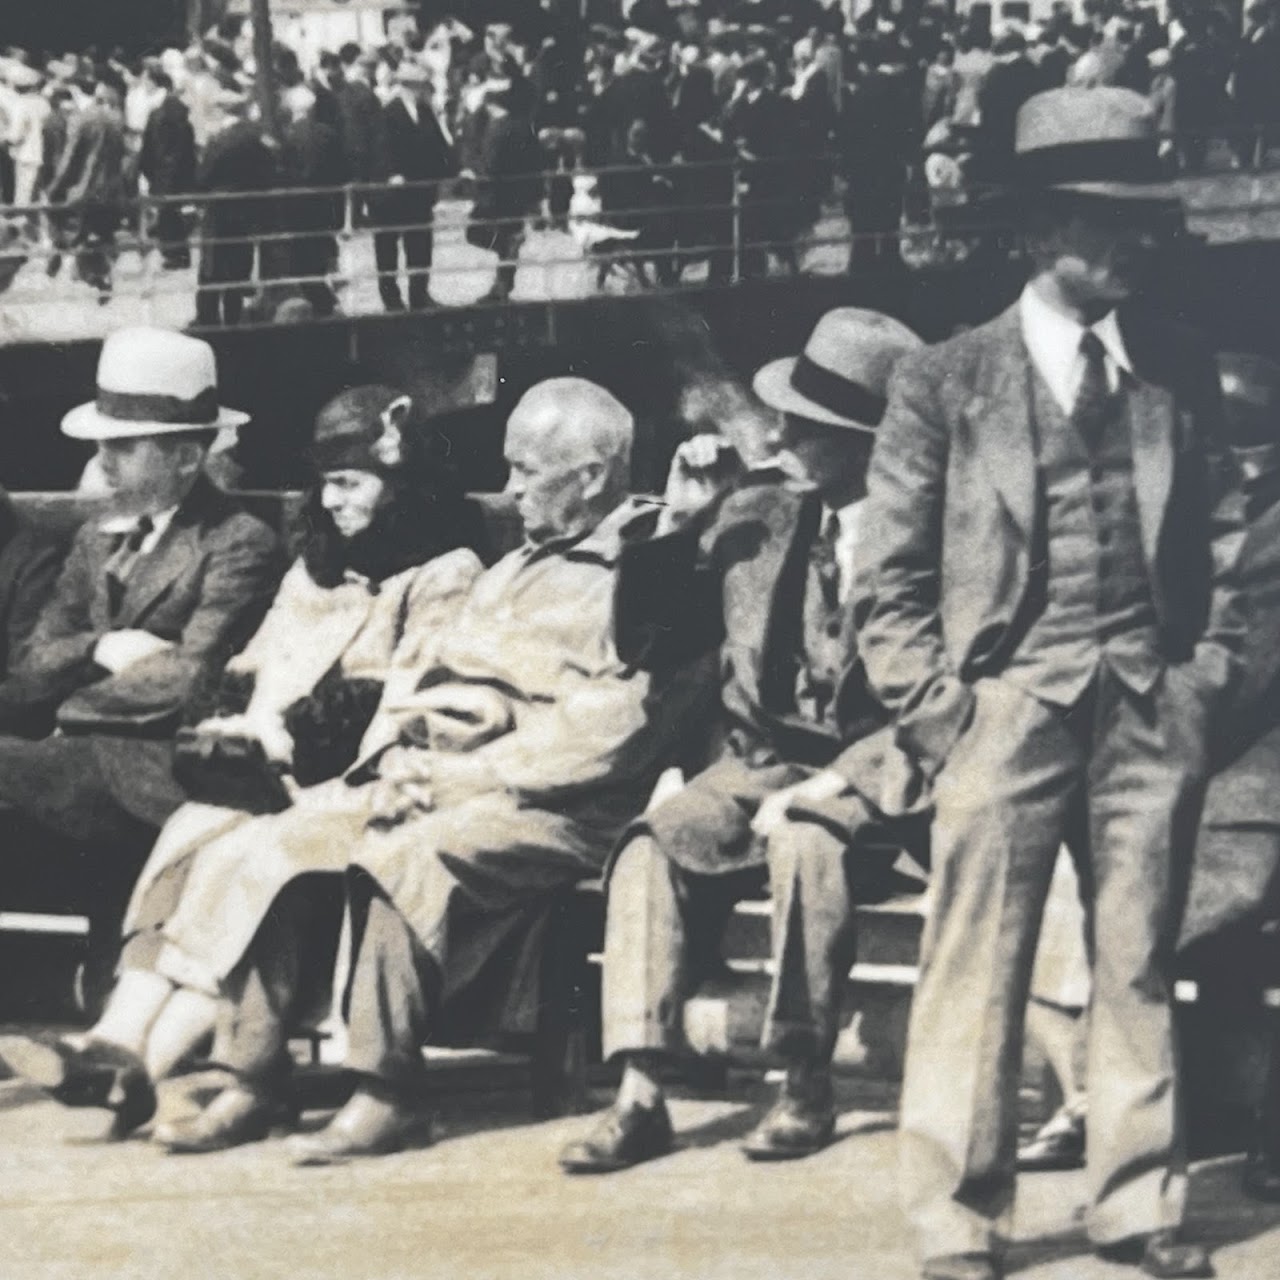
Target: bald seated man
(517, 762)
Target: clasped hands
(773, 812)
(414, 780)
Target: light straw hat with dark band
(842, 377)
(152, 382)
(1103, 142)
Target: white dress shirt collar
(160, 521)
(1053, 343)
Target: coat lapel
(174, 555)
(153, 574)
(999, 419)
(782, 582)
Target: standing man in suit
(90, 181)
(237, 163)
(802, 778)
(310, 160)
(1047, 601)
(150, 603)
(168, 162)
(418, 154)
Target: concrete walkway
(487, 1203)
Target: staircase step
(727, 1016)
(887, 932)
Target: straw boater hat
(1100, 142)
(842, 377)
(152, 382)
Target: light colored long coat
(230, 879)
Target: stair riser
(884, 937)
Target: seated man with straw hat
(153, 598)
(803, 781)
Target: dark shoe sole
(1049, 1164)
(773, 1155)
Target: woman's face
(352, 498)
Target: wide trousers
(668, 910)
(1119, 777)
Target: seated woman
(387, 558)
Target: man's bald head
(569, 449)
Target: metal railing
(477, 242)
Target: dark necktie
(125, 549)
(1093, 399)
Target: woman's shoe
(95, 1074)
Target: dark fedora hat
(1096, 142)
(842, 376)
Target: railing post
(737, 226)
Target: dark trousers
(170, 233)
(284, 975)
(225, 273)
(1119, 777)
(95, 244)
(417, 260)
(310, 258)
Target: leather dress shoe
(241, 1113)
(623, 1137)
(95, 1074)
(963, 1266)
(799, 1123)
(374, 1122)
(1160, 1254)
(1059, 1145)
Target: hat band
(1126, 160)
(837, 394)
(138, 406)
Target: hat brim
(772, 385)
(87, 422)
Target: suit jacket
(311, 157)
(363, 131)
(735, 580)
(237, 159)
(203, 588)
(1242, 795)
(29, 566)
(168, 156)
(418, 153)
(91, 169)
(953, 555)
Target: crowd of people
(993, 598)
(709, 129)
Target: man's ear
(595, 476)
